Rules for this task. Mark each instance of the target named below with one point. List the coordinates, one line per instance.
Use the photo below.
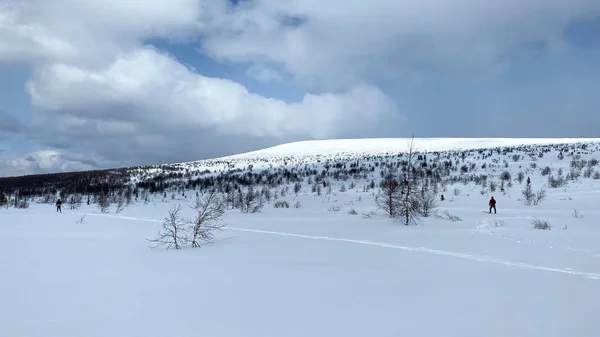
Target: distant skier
(492, 204)
(58, 206)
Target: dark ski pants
(58, 209)
(494, 207)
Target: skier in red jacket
(492, 204)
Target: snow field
(306, 271)
(316, 270)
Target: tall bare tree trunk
(407, 204)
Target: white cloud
(341, 42)
(158, 90)
(146, 92)
(40, 162)
(88, 32)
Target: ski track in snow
(488, 259)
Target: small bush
(22, 204)
(352, 212)
(335, 208)
(577, 214)
(541, 224)
(281, 204)
(450, 217)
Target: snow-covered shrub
(446, 215)
(541, 224)
(281, 204)
(577, 214)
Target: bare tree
(173, 233)
(427, 202)
(520, 177)
(75, 201)
(3, 199)
(540, 195)
(103, 201)
(128, 195)
(409, 210)
(389, 197)
(250, 202)
(409, 207)
(120, 203)
(210, 209)
(530, 197)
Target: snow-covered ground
(316, 270)
(373, 146)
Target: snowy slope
(381, 146)
(332, 264)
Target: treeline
(139, 183)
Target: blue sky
(182, 80)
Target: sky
(107, 83)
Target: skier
(492, 204)
(58, 206)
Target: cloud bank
(101, 95)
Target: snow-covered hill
(320, 258)
(359, 159)
(383, 146)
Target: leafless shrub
(173, 233)
(546, 171)
(577, 214)
(75, 201)
(297, 204)
(540, 195)
(554, 182)
(390, 193)
(22, 203)
(446, 215)
(352, 211)
(369, 215)
(250, 202)
(334, 208)
(427, 203)
(103, 201)
(530, 197)
(3, 198)
(120, 203)
(281, 204)
(520, 177)
(81, 220)
(541, 224)
(210, 209)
